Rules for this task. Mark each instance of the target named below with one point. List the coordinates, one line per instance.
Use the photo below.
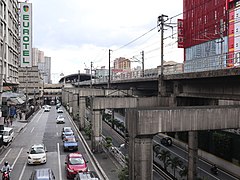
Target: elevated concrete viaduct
(143, 124)
(100, 103)
(186, 89)
(75, 100)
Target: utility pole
(221, 41)
(141, 61)
(142, 53)
(78, 78)
(1, 80)
(109, 68)
(161, 23)
(91, 74)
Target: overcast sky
(75, 32)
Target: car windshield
(37, 151)
(71, 139)
(76, 161)
(67, 130)
(4, 133)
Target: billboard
(180, 33)
(26, 34)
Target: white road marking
(5, 156)
(59, 162)
(39, 117)
(24, 130)
(24, 167)
(17, 158)
(32, 129)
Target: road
(203, 166)
(117, 140)
(41, 129)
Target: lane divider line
(5, 156)
(59, 162)
(24, 167)
(17, 158)
(32, 129)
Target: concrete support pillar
(64, 97)
(141, 158)
(70, 102)
(96, 131)
(192, 154)
(75, 106)
(82, 109)
(162, 87)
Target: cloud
(72, 32)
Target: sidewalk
(109, 165)
(17, 126)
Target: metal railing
(223, 61)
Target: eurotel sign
(26, 34)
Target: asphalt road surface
(41, 129)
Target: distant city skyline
(93, 27)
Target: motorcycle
(5, 175)
(214, 170)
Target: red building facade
(202, 20)
(207, 33)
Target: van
(8, 134)
(42, 174)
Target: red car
(75, 163)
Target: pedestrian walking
(20, 114)
(12, 113)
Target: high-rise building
(122, 64)
(43, 63)
(47, 62)
(9, 36)
(209, 34)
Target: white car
(37, 154)
(59, 110)
(47, 108)
(60, 119)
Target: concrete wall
(116, 102)
(183, 119)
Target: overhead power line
(136, 39)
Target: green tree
(87, 131)
(184, 171)
(156, 149)
(164, 156)
(123, 174)
(108, 142)
(175, 163)
(222, 144)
